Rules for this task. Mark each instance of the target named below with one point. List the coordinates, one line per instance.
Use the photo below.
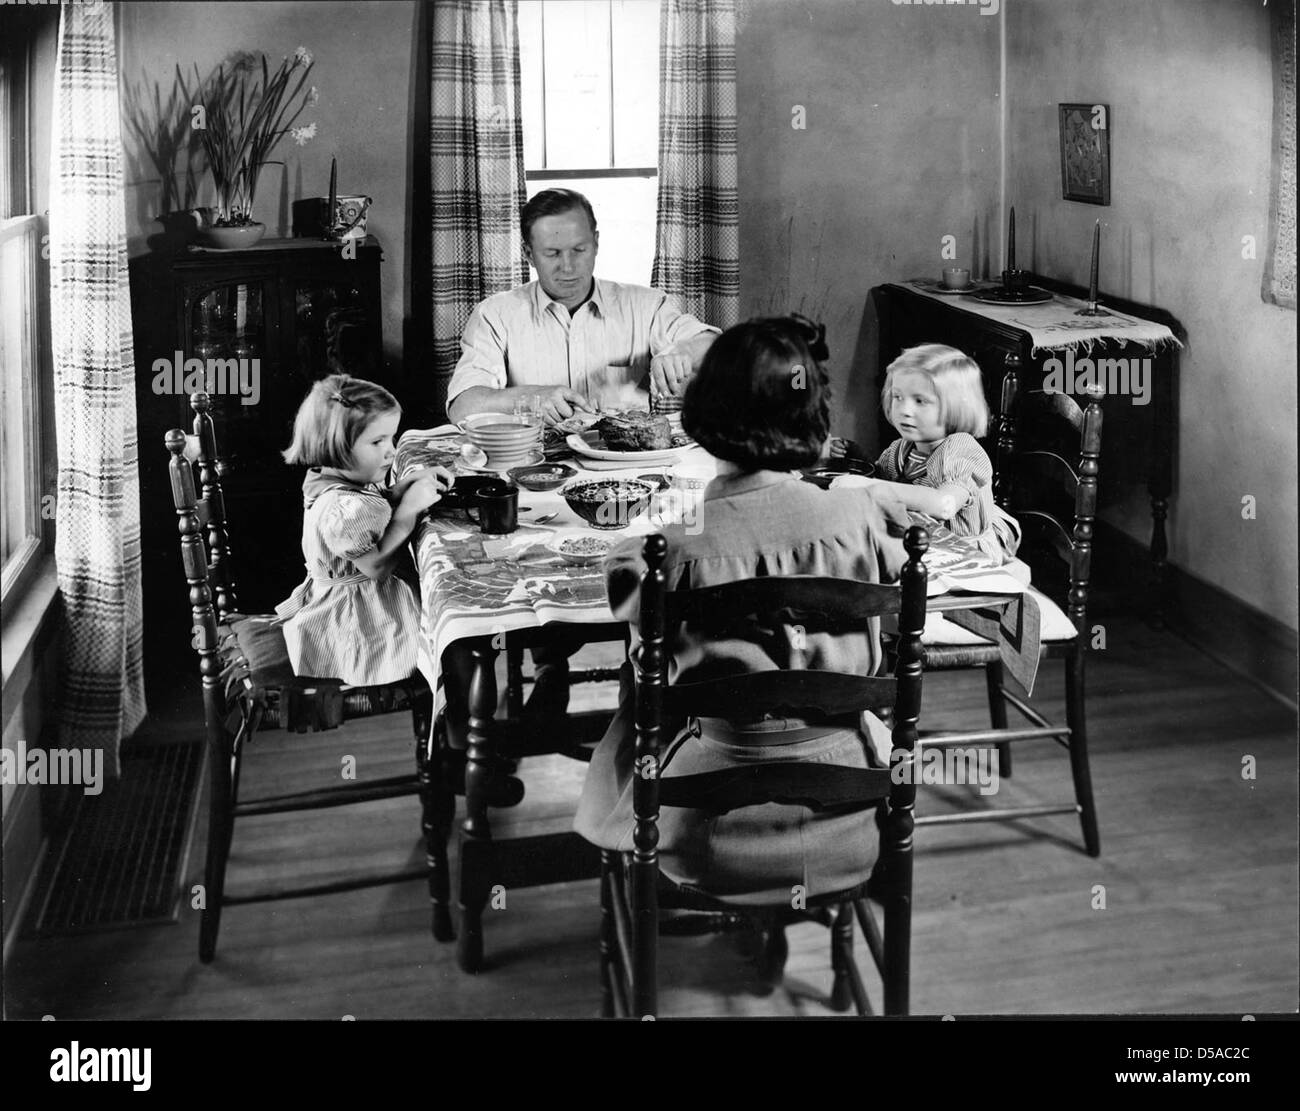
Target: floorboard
(1191, 908)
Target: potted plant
(244, 115)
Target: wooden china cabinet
(290, 311)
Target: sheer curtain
(698, 240)
(98, 498)
(1279, 271)
(477, 148)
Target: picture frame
(1085, 152)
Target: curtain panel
(1279, 271)
(98, 498)
(477, 148)
(697, 245)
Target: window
(590, 73)
(23, 321)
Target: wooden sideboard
(1139, 441)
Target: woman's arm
(942, 504)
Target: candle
(331, 217)
(1096, 252)
(1011, 240)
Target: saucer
(999, 295)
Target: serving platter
(590, 445)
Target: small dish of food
(581, 551)
(542, 477)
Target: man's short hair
(553, 202)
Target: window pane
(530, 72)
(636, 82)
(625, 217)
(576, 46)
(17, 388)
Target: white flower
(313, 96)
(302, 56)
(302, 134)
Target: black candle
(1011, 240)
(330, 215)
(1096, 252)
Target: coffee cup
(498, 507)
(956, 277)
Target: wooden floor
(1192, 906)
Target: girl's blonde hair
(332, 417)
(956, 379)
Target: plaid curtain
(477, 146)
(697, 248)
(98, 500)
(1279, 271)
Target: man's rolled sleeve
(482, 358)
(670, 326)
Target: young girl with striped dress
(934, 397)
(352, 618)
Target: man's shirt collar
(542, 301)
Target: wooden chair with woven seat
(249, 686)
(635, 893)
(1046, 471)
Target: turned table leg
(476, 856)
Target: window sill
(26, 629)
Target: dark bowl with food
(608, 503)
(542, 477)
(825, 473)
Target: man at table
(570, 339)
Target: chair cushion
(260, 643)
(1055, 626)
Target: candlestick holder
(1093, 309)
(1015, 279)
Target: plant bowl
(234, 238)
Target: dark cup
(498, 507)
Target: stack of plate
(509, 440)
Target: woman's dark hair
(552, 202)
(761, 399)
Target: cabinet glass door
(333, 332)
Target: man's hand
(669, 373)
(559, 402)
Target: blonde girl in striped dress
(934, 397)
(351, 618)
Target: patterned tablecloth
(474, 585)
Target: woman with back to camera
(760, 404)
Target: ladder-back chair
(633, 890)
(1045, 475)
(249, 688)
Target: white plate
(585, 444)
(607, 544)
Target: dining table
(498, 592)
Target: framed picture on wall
(1085, 152)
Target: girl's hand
(425, 488)
(838, 448)
(397, 491)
